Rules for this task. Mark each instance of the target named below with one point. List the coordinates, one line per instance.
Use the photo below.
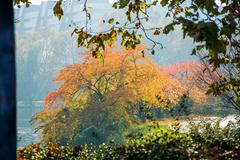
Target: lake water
(25, 131)
(26, 134)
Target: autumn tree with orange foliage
(103, 94)
(198, 76)
(195, 75)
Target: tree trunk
(7, 83)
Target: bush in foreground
(202, 142)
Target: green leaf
(164, 2)
(193, 52)
(123, 3)
(111, 20)
(168, 28)
(143, 5)
(153, 52)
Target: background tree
(213, 25)
(99, 98)
(200, 75)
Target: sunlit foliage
(213, 26)
(107, 93)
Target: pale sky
(218, 2)
(39, 1)
(36, 1)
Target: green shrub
(204, 141)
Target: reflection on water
(25, 131)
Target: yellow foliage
(103, 90)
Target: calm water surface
(26, 134)
(25, 131)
